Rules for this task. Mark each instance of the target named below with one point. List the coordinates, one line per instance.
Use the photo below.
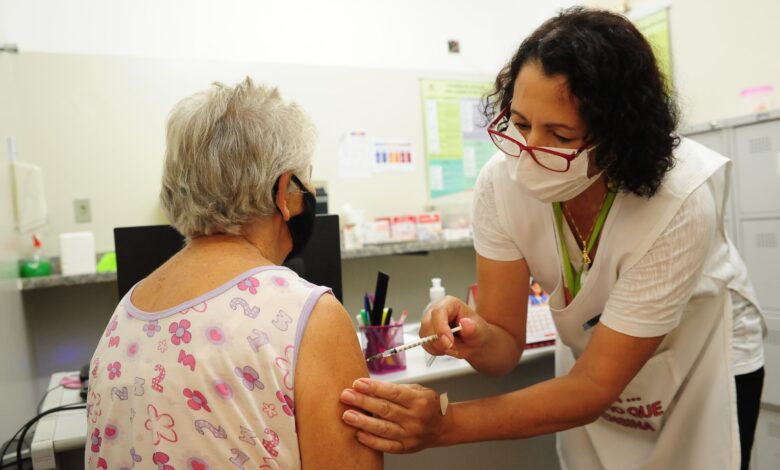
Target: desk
(59, 440)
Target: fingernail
(447, 342)
(348, 395)
(350, 417)
(361, 385)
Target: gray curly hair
(225, 149)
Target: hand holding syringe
(404, 347)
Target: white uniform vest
(680, 409)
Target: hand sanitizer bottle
(437, 293)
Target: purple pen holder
(378, 339)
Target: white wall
(96, 80)
(409, 34)
(719, 47)
(16, 373)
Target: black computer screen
(140, 250)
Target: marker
(404, 347)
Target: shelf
(58, 280)
(387, 249)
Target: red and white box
(404, 228)
(377, 231)
(429, 226)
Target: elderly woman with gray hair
(222, 357)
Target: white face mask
(552, 186)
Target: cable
(13, 438)
(40, 403)
(24, 429)
(14, 464)
(7, 445)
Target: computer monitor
(140, 250)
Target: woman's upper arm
(610, 362)
(329, 360)
(502, 299)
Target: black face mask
(301, 225)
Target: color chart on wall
(456, 143)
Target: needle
(404, 347)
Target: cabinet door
(758, 167)
(766, 449)
(771, 393)
(716, 140)
(761, 252)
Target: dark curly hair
(624, 99)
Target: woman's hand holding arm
(407, 418)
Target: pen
(404, 347)
(380, 294)
(366, 304)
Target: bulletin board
(456, 142)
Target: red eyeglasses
(509, 140)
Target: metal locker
(766, 448)
(758, 167)
(761, 252)
(713, 139)
(771, 393)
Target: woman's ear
(281, 199)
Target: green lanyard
(571, 276)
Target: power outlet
(82, 211)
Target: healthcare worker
(659, 361)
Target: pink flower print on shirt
(111, 432)
(114, 370)
(196, 400)
(93, 407)
(280, 282)
(102, 463)
(161, 425)
(161, 459)
(251, 378)
(223, 389)
(111, 326)
(151, 327)
(283, 363)
(249, 284)
(195, 463)
(96, 440)
(287, 403)
(132, 349)
(179, 333)
(269, 409)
